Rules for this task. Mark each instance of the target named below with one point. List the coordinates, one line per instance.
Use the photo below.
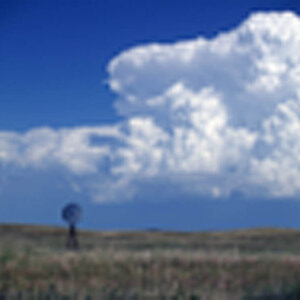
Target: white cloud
(71, 148)
(279, 169)
(207, 116)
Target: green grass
(245, 264)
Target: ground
(243, 264)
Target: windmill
(72, 213)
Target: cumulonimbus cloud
(209, 116)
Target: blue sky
(86, 117)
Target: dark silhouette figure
(72, 242)
(72, 214)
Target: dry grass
(250, 264)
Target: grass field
(245, 264)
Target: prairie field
(243, 264)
